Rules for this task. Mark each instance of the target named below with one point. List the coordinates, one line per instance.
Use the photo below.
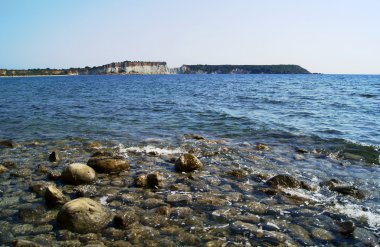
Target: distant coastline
(156, 68)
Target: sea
(316, 127)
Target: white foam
(350, 209)
(103, 200)
(357, 212)
(149, 149)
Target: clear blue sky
(328, 36)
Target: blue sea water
(332, 111)
(335, 119)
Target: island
(158, 68)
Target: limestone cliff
(127, 67)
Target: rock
(54, 175)
(85, 190)
(344, 189)
(3, 169)
(349, 190)
(179, 199)
(8, 144)
(22, 173)
(287, 181)
(163, 210)
(101, 153)
(238, 173)
(301, 150)
(83, 215)
(152, 180)
(25, 243)
(125, 219)
(40, 187)
(78, 173)
(108, 164)
(346, 227)
(366, 237)
(322, 234)
(188, 163)
(31, 214)
(54, 196)
(240, 227)
(194, 136)
(54, 156)
(262, 147)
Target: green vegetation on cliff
(243, 69)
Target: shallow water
(333, 118)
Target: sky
(323, 36)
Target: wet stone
(139, 234)
(83, 215)
(85, 190)
(322, 234)
(238, 173)
(153, 180)
(3, 169)
(287, 181)
(31, 214)
(179, 199)
(123, 220)
(246, 229)
(8, 144)
(262, 147)
(25, 243)
(346, 227)
(365, 236)
(78, 173)
(188, 163)
(349, 190)
(108, 164)
(22, 173)
(54, 175)
(54, 196)
(54, 156)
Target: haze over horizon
(321, 36)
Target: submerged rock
(107, 164)
(152, 180)
(188, 163)
(78, 173)
(287, 181)
(54, 196)
(3, 169)
(344, 189)
(237, 173)
(40, 187)
(346, 227)
(25, 243)
(349, 191)
(54, 156)
(194, 136)
(54, 175)
(8, 144)
(124, 219)
(262, 147)
(83, 215)
(22, 173)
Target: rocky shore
(203, 193)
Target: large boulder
(78, 173)
(287, 181)
(106, 163)
(83, 215)
(188, 163)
